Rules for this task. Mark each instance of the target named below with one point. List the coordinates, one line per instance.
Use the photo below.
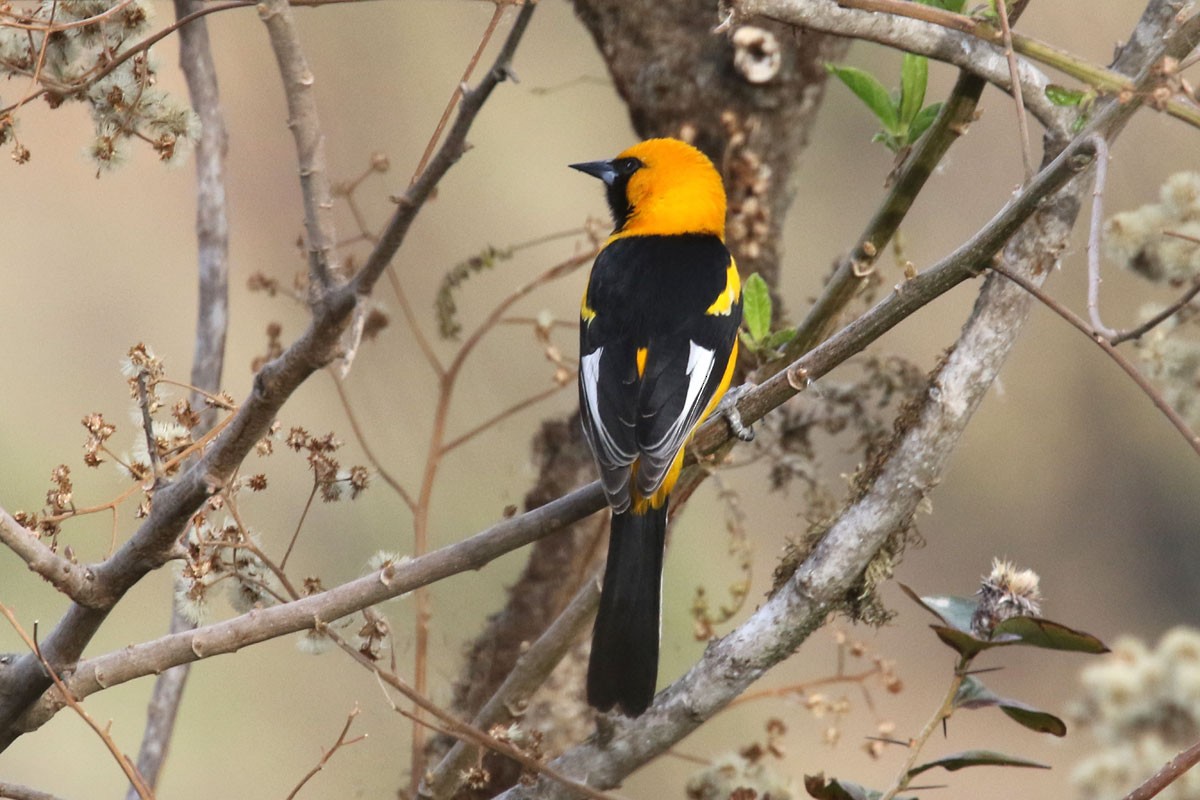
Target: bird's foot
(728, 409)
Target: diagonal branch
(452, 149)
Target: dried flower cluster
(227, 552)
(1004, 593)
(746, 774)
(72, 50)
(1142, 706)
(327, 474)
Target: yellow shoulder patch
(733, 290)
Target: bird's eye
(628, 166)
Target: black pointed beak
(604, 170)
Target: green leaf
(923, 120)
(780, 338)
(965, 644)
(870, 91)
(1049, 635)
(973, 694)
(1035, 719)
(955, 612)
(976, 758)
(914, 76)
(1062, 96)
(756, 308)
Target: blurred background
(1067, 469)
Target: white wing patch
(699, 368)
(613, 453)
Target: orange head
(662, 187)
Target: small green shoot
(757, 316)
(902, 115)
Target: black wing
(678, 299)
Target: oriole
(657, 347)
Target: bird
(658, 342)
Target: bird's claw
(728, 409)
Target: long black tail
(623, 668)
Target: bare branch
(131, 772)
(298, 86)
(1093, 254)
(212, 323)
(452, 149)
(1170, 772)
(1101, 339)
(1018, 95)
(76, 581)
(341, 742)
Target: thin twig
(497, 13)
(1017, 95)
(299, 524)
(341, 742)
(791, 690)
(499, 417)
(361, 437)
(1097, 227)
(1125, 364)
(156, 468)
(1170, 772)
(453, 147)
(1159, 318)
(131, 772)
(938, 719)
(52, 27)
